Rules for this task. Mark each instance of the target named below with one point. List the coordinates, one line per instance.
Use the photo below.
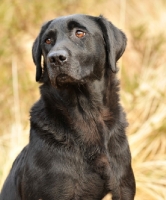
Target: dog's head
(77, 48)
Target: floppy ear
(115, 41)
(37, 51)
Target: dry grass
(147, 134)
(142, 73)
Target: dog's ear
(37, 51)
(115, 41)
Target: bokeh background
(142, 73)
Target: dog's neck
(97, 94)
(89, 111)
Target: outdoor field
(142, 73)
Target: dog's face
(72, 48)
(77, 48)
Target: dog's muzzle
(59, 69)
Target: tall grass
(147, 117)
(142, 72)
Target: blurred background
(142, 73)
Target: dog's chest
(65, 173)
(72, 156)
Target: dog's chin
(63, 80)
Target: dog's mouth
(64, 79)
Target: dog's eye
(79, 34)
(48, 41)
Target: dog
(78, 149)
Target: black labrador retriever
(78, 148)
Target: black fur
(78, 148)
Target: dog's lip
(63, 78)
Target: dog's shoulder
(12, 185)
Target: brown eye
(48, 41)
(79, 34)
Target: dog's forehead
(86, 21)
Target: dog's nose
(58, 57)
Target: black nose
(58, 57)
